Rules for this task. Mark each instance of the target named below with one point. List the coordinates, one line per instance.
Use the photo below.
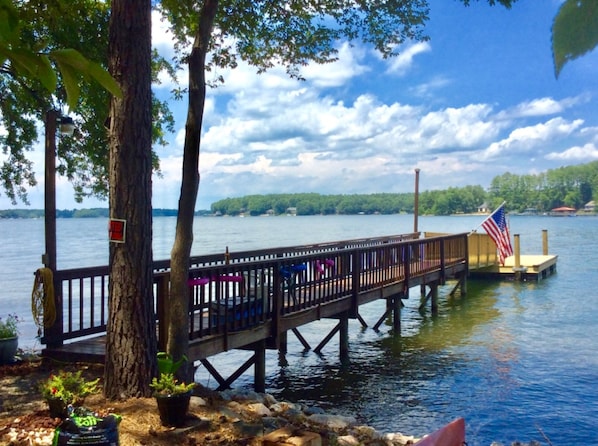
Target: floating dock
(516, 267)
(530, 268)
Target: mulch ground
(25, 418)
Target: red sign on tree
(116, 230)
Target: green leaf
(45, 73)
(71, 57)
(574, 31)
(71, 83)
(87, 68)
(9, 22)
(102, 77)
(35, 66)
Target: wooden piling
(518, 270)
(396, 313)
(344, 338)
(283, 339)
(434, 293)
(260, 367)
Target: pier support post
(432, 296)
(544, 242)
(259, 382)
(518, 270)
(434, 292)
(464, 285)
(283, 339)
(517, 247)
(344, 338)
(460, 285)
(396, 313)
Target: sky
(476, 101)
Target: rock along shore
(284, 423)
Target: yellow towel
(43, 306)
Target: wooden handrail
(259, 291)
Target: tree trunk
(178, 329)
(131, 334)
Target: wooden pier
(251, 300)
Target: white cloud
(586, 153)
(162, 38)
(457, 127)
(543, 106)
(402, 63)
(527, 138)
(336, 74)
(538, 107)
(430, 88)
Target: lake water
(519, 361)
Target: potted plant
(9, 338)
(171, 395)
(66, 389)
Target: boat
(452, 434)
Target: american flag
(498, 230)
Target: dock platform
(530, 268)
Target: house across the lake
(484, 208)
(564, 211)
(590, 207)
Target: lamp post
(53, 119)
(49, 257)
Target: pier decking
(530, 268)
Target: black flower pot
(8, 349)
(58, 408)
(173, 408)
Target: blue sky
(478, 100)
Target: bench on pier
(240, 311)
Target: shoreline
(214, 418)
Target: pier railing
(482, 250)
(236, 291)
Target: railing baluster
(92, 302)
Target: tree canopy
(21, 59)
(54, 36)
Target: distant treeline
(465, 199)
(572, 186)
(82, 213)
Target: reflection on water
(400, 374)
